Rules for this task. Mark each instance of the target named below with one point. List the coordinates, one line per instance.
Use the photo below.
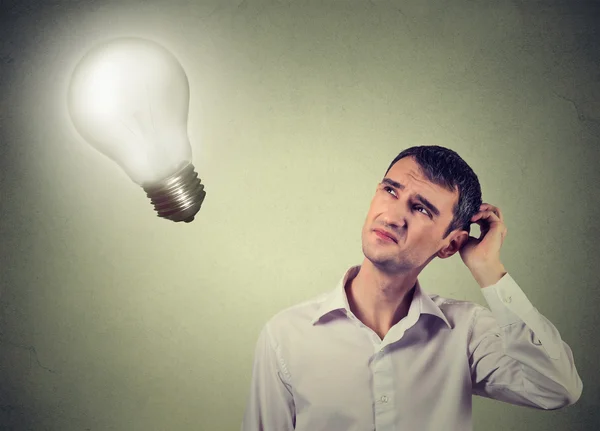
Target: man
(378, 353)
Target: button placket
(383, 387)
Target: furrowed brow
(426, 202)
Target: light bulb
(129, 99)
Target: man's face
(417, 212)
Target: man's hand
(482, 255)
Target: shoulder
(457, 311)
(294, 319)
(302, 312)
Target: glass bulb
(129, 99)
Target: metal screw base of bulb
(178, 197)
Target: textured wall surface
(113, 319)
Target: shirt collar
(338, 300)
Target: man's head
(426, 200)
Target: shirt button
(384, 399)
(509, 299)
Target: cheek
(372, 216)
(423, 238)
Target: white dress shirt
(317, 367)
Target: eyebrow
(419, 197)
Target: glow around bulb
(129, 99)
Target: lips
(388, 234)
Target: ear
(456, 243)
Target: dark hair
(447, 169)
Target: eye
(423, 208)
(418, 207)
(388, 187)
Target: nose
(397, 215)
(395, 223)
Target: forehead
(407, 172)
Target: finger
(488, 216)
(496, 210)
(485, 219)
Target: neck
(379, 299)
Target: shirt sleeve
(516, 355)
(270, 405)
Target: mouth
(385, 236)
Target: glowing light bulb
(129, 99)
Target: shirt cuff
(507, 301)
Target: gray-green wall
(113, 319)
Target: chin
(380, 257)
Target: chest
(348, 374)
